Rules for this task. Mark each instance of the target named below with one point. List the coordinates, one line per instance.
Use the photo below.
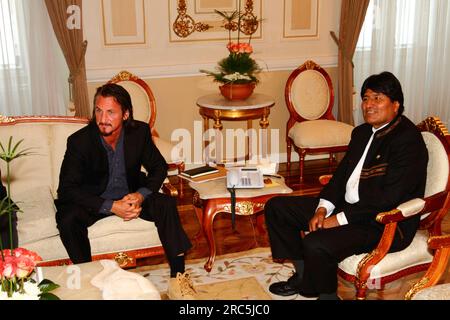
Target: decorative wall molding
(119, 29)
(191, 22)
(187, 70)
(184, 25)
(301, 19)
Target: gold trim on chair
(123, 259)
(124, 76)
(434, 125)
(4, 119)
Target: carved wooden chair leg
(289, 150)
(181, 168)
(302, 165)
(330, 162)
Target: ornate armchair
(144, 109)
(373, 270)
(311, 127)
(425, 288)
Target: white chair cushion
(415, 254)
(139, 99)
(37, 219)
(32, 170)
(320, 134)
(113, 225)
(439, 292)
(172, 153)
(52, 248)
(438, 167)
(310, 94)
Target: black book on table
(198, 172)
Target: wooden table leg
(209, 212)
(264, 124)
(260, 221)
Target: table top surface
(217, 101)
(216, 189)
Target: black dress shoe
(329, 296)
(286, 288)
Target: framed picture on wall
(123, 22)
(301, 18)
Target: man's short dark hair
(121, 96)
(387, 84)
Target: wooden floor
(246, 236)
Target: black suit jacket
(3, 218)
(85, 170)
(2, 191)
(394, 171)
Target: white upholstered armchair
(311, 128)
(426, 288)
(373, 270)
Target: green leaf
(48, 296)
(16, 146)
(7, 206)
(9, 143)
(232, 16)
(47, 285)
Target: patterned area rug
(238, 276)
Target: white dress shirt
(352, 187)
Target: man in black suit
(101, 176)
(4, 224)
(384, 166)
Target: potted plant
(18, 264)
(237, 72)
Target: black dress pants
(321, 250)
(73, 222)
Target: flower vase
(237, 91)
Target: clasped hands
(318, 221)
(129, 207)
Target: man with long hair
(101, 176)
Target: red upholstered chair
(373, 270)
(311, 128)
(144, 109)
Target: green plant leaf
(7, 206)
(9, 143)
(1, 146)
(47, 285)
(16, 146)
(229, 17)
(48, 296)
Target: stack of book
(202, 174)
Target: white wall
(171, 69)
(162, 58)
